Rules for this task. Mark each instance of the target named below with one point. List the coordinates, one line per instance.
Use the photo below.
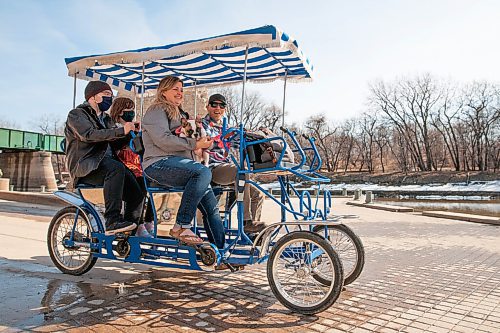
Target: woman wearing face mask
(169, 160)
(122, 112)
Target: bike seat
(87, 186)
(156, 187)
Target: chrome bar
(142, 90)
(195, 98)
(244, 82)
(284, 98)
(74, 91)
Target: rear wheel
(76, 259)
(292, 264)
(349, 248)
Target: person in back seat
(122, 111)
(90, 159)
(169, 160)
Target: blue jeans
(195, 179)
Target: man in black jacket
(90, 132)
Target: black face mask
(106, 103)
(128, 116)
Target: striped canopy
(272, 54)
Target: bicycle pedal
(232, 268)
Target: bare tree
(366, 141)
(482, 114)
(254, 108)
(446, 120)
(49, 124)
(381, 139)
(4, 123)
(408, 104)
(318, 127)
(271, 117)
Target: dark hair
(120, 104)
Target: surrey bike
(267, 153)
(304, 269)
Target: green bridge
(29, 141)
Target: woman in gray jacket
(169, 161)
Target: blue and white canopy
(272, 54)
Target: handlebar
(297, 145)
(231, 133)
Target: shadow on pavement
(153, 298)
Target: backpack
(266, 154)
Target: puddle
(31, 301)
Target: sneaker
(150, 227)
(119, 226)
(143, 232)
(252, 227)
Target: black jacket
(87, 140)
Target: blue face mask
(106, 103)
(128, 116)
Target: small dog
(194, 129)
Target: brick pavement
(422, 274)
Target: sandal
(189, 239)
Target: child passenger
(122, 111)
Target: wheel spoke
(294, 268)
(75, 257)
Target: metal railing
(25, 140)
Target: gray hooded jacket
(159, 138)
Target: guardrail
(25, 140)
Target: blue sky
(351, 44)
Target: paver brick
(419, 276)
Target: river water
(479, 207)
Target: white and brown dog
(194, 129)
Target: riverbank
(414, 178)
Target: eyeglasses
(216, 104)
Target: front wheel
(76, 259)
(294, 261)
(349, 248)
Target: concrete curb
(382, 207)
(463, 217)
(33, 198)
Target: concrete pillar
(28, 171)
(344, 192)
(4, 184)
(357, 194)
(368, 197)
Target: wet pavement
(422, 274)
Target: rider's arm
(86, 131)
(157, 125)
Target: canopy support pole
(195, 98)
(142, 91)
(284, 99)
(135, 99)
(244, 81)
(74, 91)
